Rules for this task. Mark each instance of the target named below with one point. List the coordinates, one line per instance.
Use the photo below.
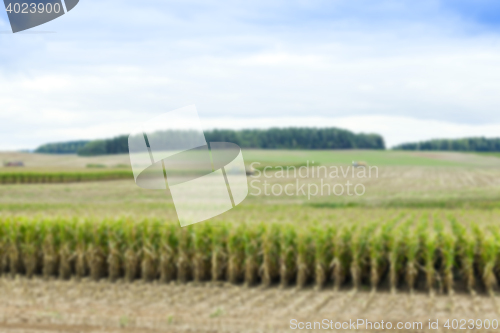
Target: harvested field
(37, 305)
(64, 161)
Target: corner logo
(27, 14)
(205, 179)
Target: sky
(408, 70)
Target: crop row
(427, 251)
(27, 177)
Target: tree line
(70, 147)
(297, 138)
(274, 138)
(465, 144)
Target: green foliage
(70, 147)
(274, 138)
(116, 145)
(42, 176)
(466, 144)
(429, 249)
(93, 148)
(297, 138)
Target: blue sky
(409, 70)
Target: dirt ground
(39, 305)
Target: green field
(427, 221)
(278, 157)
(373, 157)
(62, 176)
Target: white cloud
(298, 63)
(284, 59)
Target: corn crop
(433, 251)
(39, 176)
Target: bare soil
(39, 305)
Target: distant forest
(70, 147)
(466, 144)
(274, 138)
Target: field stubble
(410, 187)
(48, 305)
